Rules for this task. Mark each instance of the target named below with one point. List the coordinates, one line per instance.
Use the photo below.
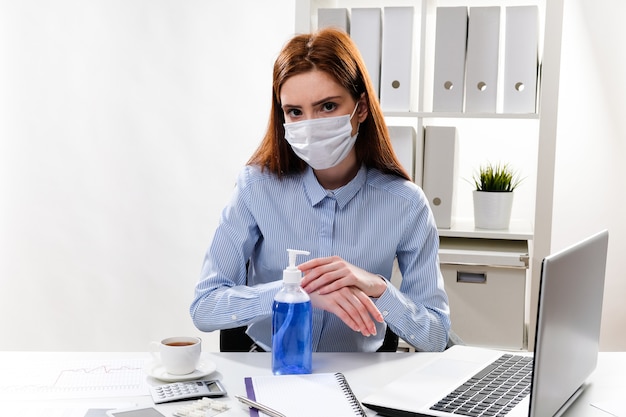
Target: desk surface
(364, 371)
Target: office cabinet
(526, 140)
(486, 284)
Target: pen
(260, 407)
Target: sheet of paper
(615, 408)
(60, 409)
(74, 380)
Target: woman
(325, 179)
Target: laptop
(565, 354)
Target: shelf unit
(450, 115)
(537, 144)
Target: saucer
(156, 370)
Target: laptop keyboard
(494, 391)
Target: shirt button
(233, 317)
(412, 337)
(385, 313)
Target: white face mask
(324, 142)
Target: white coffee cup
(179, 355)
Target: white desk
(365, 372)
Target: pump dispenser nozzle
(292, 274)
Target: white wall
(123, 124)
(591, 141)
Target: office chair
(236, 340)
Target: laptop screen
(568, 322)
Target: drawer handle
(471, 277)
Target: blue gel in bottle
(292, 324)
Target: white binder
(366, 32)
(333, 17)
(440, 172)
(403, 142)
(483, 40)
(397, 59)
(450, 47)
(521, 59)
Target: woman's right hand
(352, 306)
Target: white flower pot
(492, 210)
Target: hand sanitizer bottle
(292, 323)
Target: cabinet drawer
(488, 252)
(487, 304)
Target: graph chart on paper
(80, 379)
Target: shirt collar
(343, 195)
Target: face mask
(324, 142)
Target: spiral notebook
(310, 395)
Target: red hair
(331, 51)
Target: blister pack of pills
(204, 407)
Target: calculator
(188, 390)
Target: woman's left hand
(326, 275)
(352, 306)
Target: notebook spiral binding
(354, 402)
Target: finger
(314, 263)
(371, 307)
(359, 311)
(341, 303)
(325, 275)
(337, 280)
(331, 303)
(349, 308)
(325, 283)
(313, 270)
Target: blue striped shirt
(368, 222)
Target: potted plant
(493, 196)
